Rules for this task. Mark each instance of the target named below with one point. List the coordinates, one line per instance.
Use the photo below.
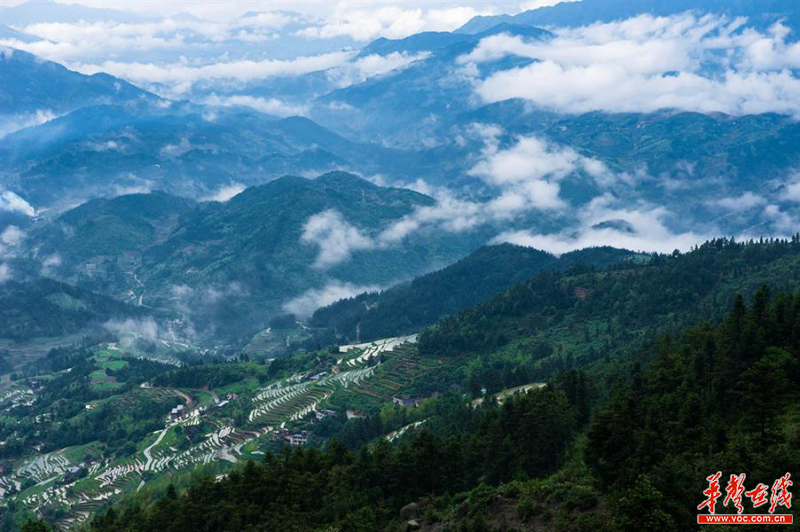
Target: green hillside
(43, 307)
(409, 307)
(229, 267)
(587, 451)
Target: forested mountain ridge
(586, 452)
(380, 267)
(26, 83)
(667, 291)
(249, 250)
(183, 149)
(43, 307)
(592, 11)
(409, 307)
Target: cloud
(645, 63)
(271, 20)
(374, 64)
(123, 190)
(12, 236)
(362, 68)
(791, 192)
(5, 273)
(183, 75)
(145, 328)
(528, 172)
(10, 240)
(225, 193)
(536, 4)
(336, 238)
(525, 175)
(176, 150)
(271, 106)
(780, 222)
(50, 263)
(748, 200)
(70, 41)
(448, 214)
(305, 304)
(109, 145)
(602, 222)
(13, 123)
(391, 22)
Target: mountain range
(236, 263)
(457, 266)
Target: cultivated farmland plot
(38, 482)
(15, 396)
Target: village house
(355, 414)
(412, 400)
(177, 413)
(278, 435)
(299, 438)
(322, 414)
(74, 473)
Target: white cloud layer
(10, 202)
(643, 64)
(10, 124)
(10, 239)
(528, 174)
(525, 175)
(336, 238)
(183, 75)
(606, 222)
(145, 328)
(225, 193)
(270, 106)
(745, 201)
(305, 304)
(392, 22)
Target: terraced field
(14, 396)
(372, 372)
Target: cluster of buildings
(319, 415)
(74, 473)
(409, 400)
(295, 439)
(177, 413)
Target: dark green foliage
(205, 376)
(117, 423)
(111, 227)
(718, 399)
(364, 491)
(5, 362)
(233, 266)
(27, 81)
(409, 307)
(669, 292)
(46, 308)
(35, 526)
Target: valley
(71, 483)
(386, 266)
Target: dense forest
(627, 448)
(668, 293)
(409, 307)
(46, 308)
